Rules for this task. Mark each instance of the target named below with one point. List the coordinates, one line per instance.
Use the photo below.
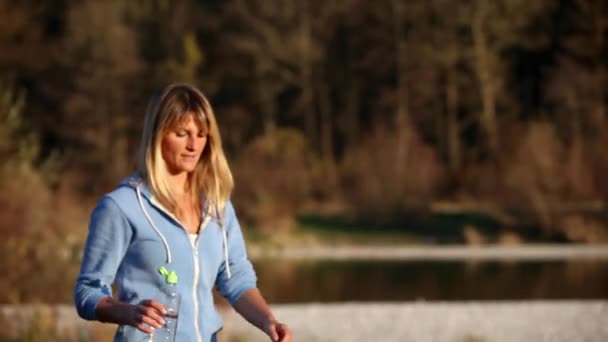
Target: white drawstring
(166, 245)
(141, 204)
(223, 228)
(226, 253)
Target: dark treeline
(376, 107)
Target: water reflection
(337, 281)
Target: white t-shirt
(193, 239)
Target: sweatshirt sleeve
(243, 276)
(107, 242)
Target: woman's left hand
(252, 306)
(278, 332)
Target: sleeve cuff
(88, 309)
(236, 295)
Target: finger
(284, 333)
(146, 302)
(272, 333)
(145, 328)
(154, 304)
(155, 320)
(152, 315)
(159, 307)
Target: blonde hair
(211, 177)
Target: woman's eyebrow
(188, 129)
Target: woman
(175, 213)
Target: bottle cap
(170, 277)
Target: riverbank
(487, 321)
(431, 252)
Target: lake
(296, 281)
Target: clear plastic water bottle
(171, 299)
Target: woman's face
(182, 146)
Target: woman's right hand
(146, 316)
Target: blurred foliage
(373, 175)
(37, 242)
(276, 173)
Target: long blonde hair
(212, 177)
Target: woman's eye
(181, 133)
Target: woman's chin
(182, 169)
(190, 168)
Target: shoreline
(481, 321)
(417, 252)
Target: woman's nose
(190, 144)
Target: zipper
(197, 275)
(195, 289)
(195, 260)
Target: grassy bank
(406, 229)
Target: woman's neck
(187, 209)
(178, 184)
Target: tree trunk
(327, 138)
(351, 115)
(599, 112)
(402, 119)
(484, 75)
(453, 127)
(307, 99)
(267, 105)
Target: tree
(495, 27)
(268, 40)
(444, 52)
(100, 49)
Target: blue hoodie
(131, 235)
